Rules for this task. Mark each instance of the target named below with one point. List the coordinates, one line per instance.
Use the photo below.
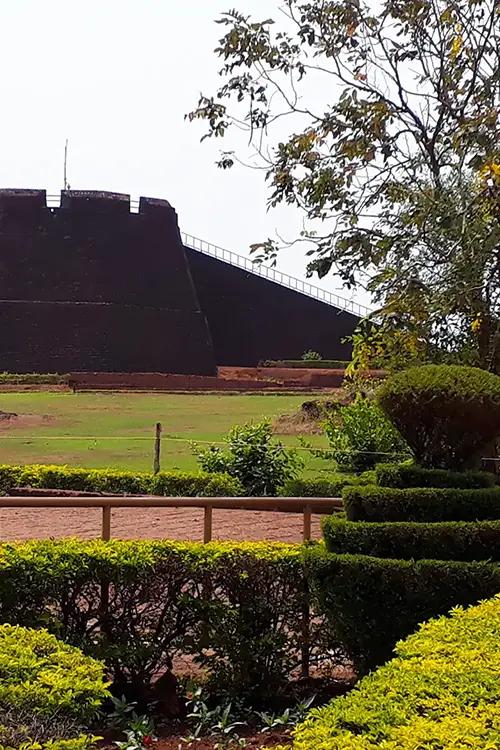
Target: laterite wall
(252, 319)
(91, 286)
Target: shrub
(441, 692)
(410, 475)
(311, 356)
(330, 486)
(236, 609)
(360, 436)
(261, 464)
(371, 602)
(448, 414)
(426, 504)
(453, 540)
(47, 688)
(110, 480)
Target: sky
(116, 78)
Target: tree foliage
(380, 121)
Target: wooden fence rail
(305, 505)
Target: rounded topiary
(448, 414)
(48, 689)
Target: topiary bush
(410, 475)
(371, 603)
(449, 540)
(448, 414)
(420, 504)
(441, 692)
(48, 689)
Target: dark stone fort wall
(91, 286)
(253, 319)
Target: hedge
(308, 364)
(388, 504)
(452, 540)
(236, 610)
(32, 378)
(110, 480)
(331, 486)
(404, 475)
(371, 603)
(48, 689)
(442, 691)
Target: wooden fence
(305, 505)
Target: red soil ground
(152, 523)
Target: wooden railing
(308, 506)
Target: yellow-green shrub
(48, 689)
(442, 692)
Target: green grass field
(117, 429)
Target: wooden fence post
(307, 523)
(207, 524)
(106, 523)
(156, 462)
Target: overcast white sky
(116, 77)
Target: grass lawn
(117, 429)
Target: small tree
(261, 464)
(380, 122)
(448, 414)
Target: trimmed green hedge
(307, 364)
(331, 486)
(236, 610)
(32, 378)
(110, 480)
(371, 603)
(47, 689)
(453, 540)
(442, 692)
(388, 504)
(407, 475)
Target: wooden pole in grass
(156, 462)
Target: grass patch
(117, 429)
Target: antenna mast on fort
(66, 184)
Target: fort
(100, 284)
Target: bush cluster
(455, 540)
(234, 609)
(411, 475)
(254, 458)
(109, 480)
(48, 689)
(441, 691)
(448, 414)
(373, 503)
(361, 436)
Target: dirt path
(152, 523)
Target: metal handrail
(305, 505)
(278, 277)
